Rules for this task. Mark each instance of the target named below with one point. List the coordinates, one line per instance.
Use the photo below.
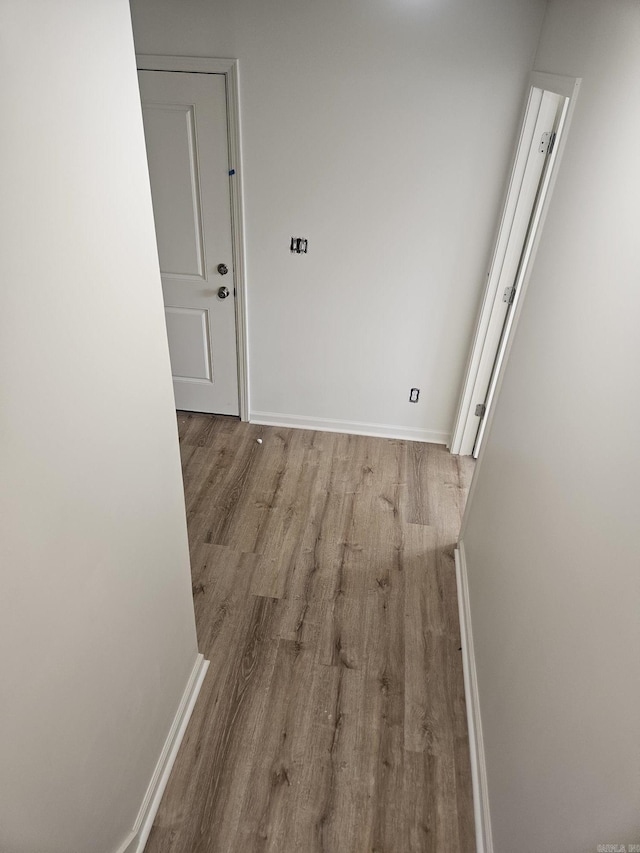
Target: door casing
(230, 69)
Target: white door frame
(228, 68)
(484, 348)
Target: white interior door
(545, 112)
(516, 287)
(185, 123)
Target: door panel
(189, 346)
(175, 190)
(185, 125)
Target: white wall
(381, 130)
(552, 532)
(97, 634)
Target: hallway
(332, 717)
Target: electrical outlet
(413, 395)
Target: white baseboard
(350, 427)
(137, 838)
(484, 840)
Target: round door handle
(223, 292)
(223, 269)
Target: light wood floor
(332, 717)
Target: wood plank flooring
(332, 718)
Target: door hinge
(481, 410)
(547, 142)
(509, 295)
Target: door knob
(223, 292)
(223, 269)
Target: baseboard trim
(484, 840)
(350, 427)
(137, 838)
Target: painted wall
(381, 130)
(552, 530)
(97, 635)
